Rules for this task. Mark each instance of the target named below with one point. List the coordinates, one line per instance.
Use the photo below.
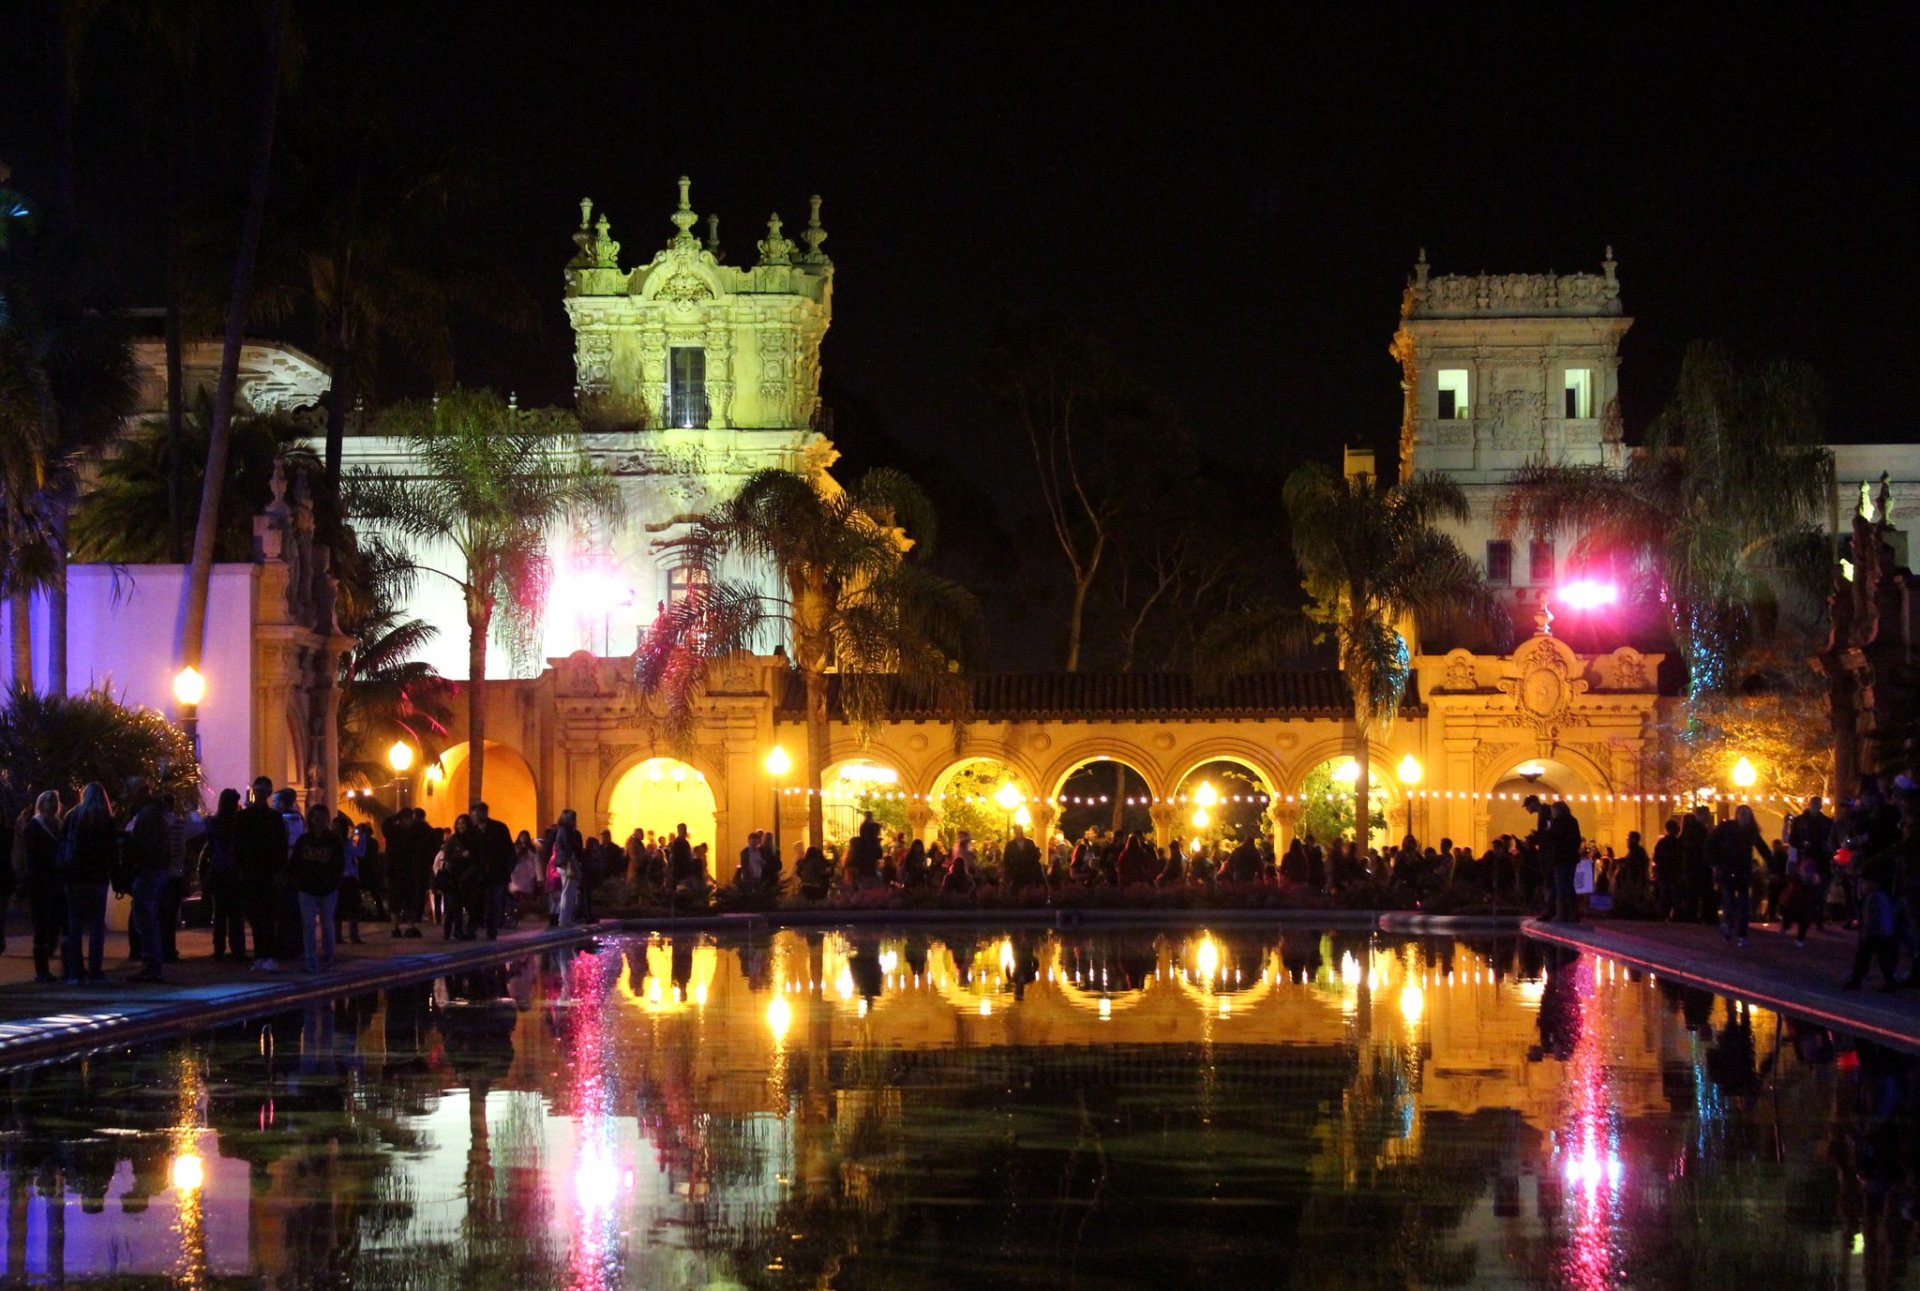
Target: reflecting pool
(1038, 1109)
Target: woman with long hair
(90, 843)
(40, 853)
(225, 892)
(318, 865)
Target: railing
(687, 409)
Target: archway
(1222, 799)
(1104, 794)
(1546, 777)
(854, 786)
(509, 791)
(982, 796)
(1326, 802)
(658, 795)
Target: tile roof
(1094, 696)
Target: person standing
(1021, 862)
(1562, 847)
(146, 857)
(358, 846)
(494, 849)
(1811, 836)
(318, 863)
(260, 852)
(567, 849)
(401, 895)
(1731, 848)
(174, 891)
(90, 846)
(224, 888)
(40, 853)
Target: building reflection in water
(812, 1108)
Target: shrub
(66, 741)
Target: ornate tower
(1502, 369)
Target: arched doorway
(1104, 794)
(657, 796)
(855, 786)
(1326, 803)
(1545, 777)
(1222, 800)
(511, 799)
(983, 797)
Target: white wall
(123, 633)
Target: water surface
(1108, 1109)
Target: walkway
(1771, 971)
(39, 1021)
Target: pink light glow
(1586, 594)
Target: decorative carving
(612, 755)
(1543, 689)
(593, 363)
(686, 287)
(1525, 295)
(917, 742)
(1628, 669)
(1460, 671)
(1039, 741)
(775, 249)
(814, 234)
(1163, 741)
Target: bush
(66, 741)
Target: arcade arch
(1547, 777)
(1325, 796)
(1104, 793)
(1223, 798)
(509, 788)
(855, 785)
(967, 795)
(656, 794)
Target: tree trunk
(816, 683)
(1075, 616)
(176, 397)
(57, 603)
(1119, 796)
(20, 623)
(479, 621)
(219, 434)
(336, 431)
(1362, 788)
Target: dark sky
(1236, 202)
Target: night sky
(1237, 203)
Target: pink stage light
(1586, 594)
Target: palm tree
(386, 694)
(200, 571)
(1718, 510)
(850, 600)
(114, 522)
(1371, 558)
(67, 381)
(491, 481)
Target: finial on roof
(586, 211)
(774, 248)
(1420, 269)
(814, 234)
(684, 219)
(713, 233)
(1609, 263)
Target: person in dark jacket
(224, 888)
(91, 846)
(403, 898)
(1020, 863)
(145, 855)
(1731, 848)
(260, 851)
(40, 851)
(1559, 837)
(316, 866)
(494, 848)
(1696, 882)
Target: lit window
(1453, 402)
(687, 386)
(681, 580)
(1579, 393)
(1539, 562)
(1500, 561)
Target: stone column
(1044, 815)
(1163, 823)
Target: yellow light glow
(1413, 1002)
(1529, 771)
(679, 775)
(1007, 795)
(986, 1008)
(400, 757)
(778, 763)
(1206, 795)
(889, 960)
(1106, 1009)
(1744, 774)
(655, 774)
(436, 773)
(1207, 956)
(1200, 818)
(1022, 817)
(1348, 772)
(779, 1016)
(861, 1008)
(1410, 770)
(189, 1172)
(189, 686)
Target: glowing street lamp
(1744, 774)
(778, 764)
(1008, 795)
(189, 688)
(1409, 772)
(400, 758)
(1587, 594)
(1348, 772)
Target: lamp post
(778, 764)
(1744, 774)
(1008, 795)
(189, 688)
(1409, 772)
(400, 758)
